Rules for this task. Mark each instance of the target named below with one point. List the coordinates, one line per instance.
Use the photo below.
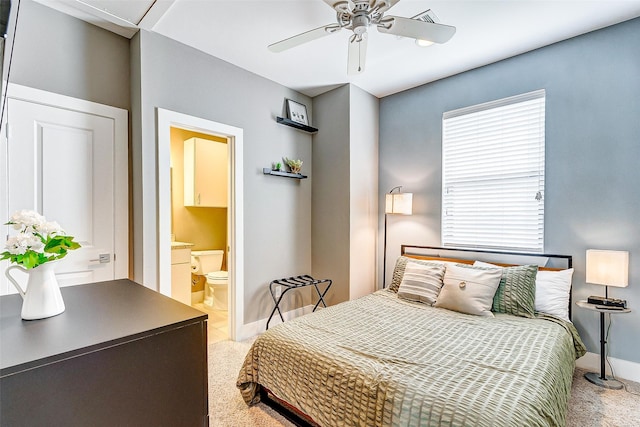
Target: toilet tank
(203, 262)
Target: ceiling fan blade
(357, 55)
(303, 38)
(332, 3)
(412, 28)
(384, 5)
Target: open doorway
(199, 225)
(200, 213)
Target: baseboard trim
(623, 369)
(249, 330)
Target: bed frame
(463, 256)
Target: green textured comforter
(383, 361)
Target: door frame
(120, 119)
(235, 218)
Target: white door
(62, 163)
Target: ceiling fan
(357, 16)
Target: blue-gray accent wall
(592, 198)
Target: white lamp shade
(610, 268)
(399, 203)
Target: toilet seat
(217, 276)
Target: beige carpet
(589, 406)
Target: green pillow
(516, 293)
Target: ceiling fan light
(423, 43)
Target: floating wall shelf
(269, 171)
(296, 125)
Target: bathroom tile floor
(218, 323)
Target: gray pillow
(421, 282)
(401, 263)
(469, 290)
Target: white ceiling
(238, 31)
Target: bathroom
(199, 225)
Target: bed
(382, 360)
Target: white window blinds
(493, 174)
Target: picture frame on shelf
(297, 112)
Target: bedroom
(591, 188)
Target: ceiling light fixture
(426, 16)
(423, 43)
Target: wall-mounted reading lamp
(398, 204)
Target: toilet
(217, 283)
(208, 263)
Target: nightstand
(601, 379)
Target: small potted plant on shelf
(276, 166)
(294, 165)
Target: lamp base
(608, 382)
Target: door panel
(61, 163)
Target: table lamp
(397, 204)
(608, 268)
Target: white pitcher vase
(42, 298)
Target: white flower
(48, 228)
(26, 219)
(26, 248)
(18, 245)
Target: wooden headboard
(550, 262)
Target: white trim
(108, 21)
(165, 120)
(624, 369)
(120, 119)
(93, 15)
(536, 94)
(252, 329)
(153, 16)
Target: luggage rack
(295, 283)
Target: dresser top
(97, 315)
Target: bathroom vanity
(181, 272)
(121, 354)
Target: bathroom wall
(206, 228)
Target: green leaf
(30, 259)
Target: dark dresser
(120, 355)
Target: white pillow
(469, 290)
(421, 282)
(552, 292)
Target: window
(493, 174)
